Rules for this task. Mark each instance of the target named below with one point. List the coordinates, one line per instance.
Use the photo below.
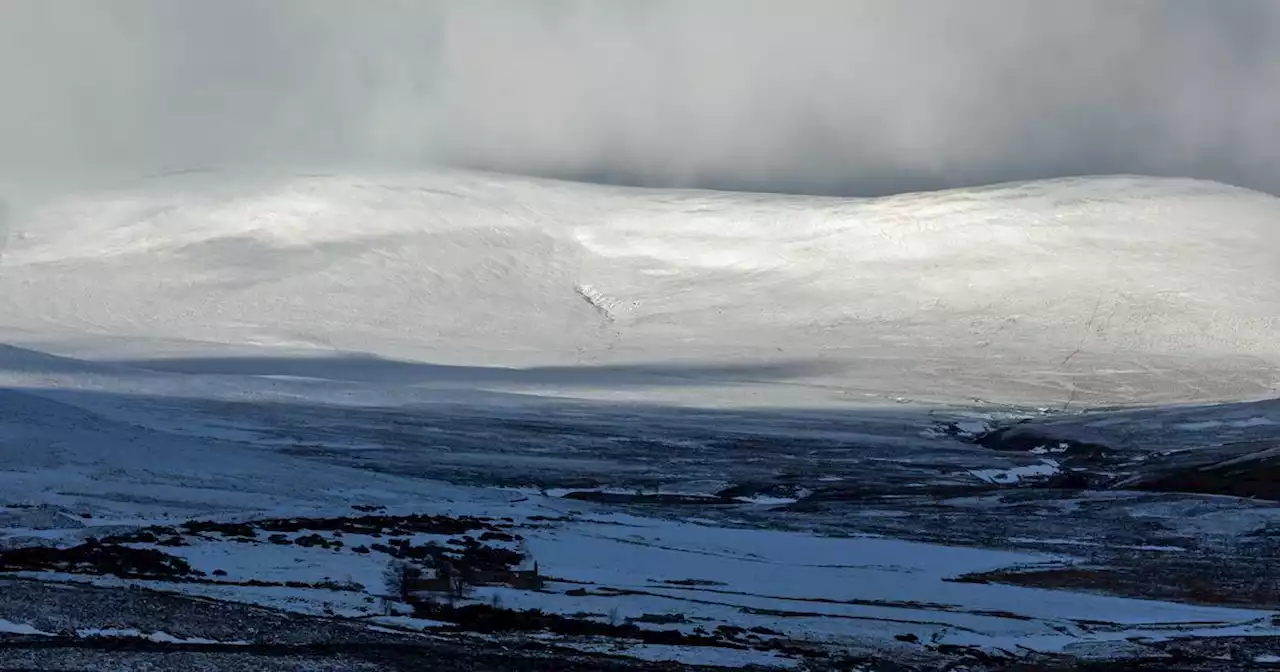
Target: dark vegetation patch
(1022, 439)
(1256, 479)
(326, 584)
(377, 526)
(317, 541)
(762, 489)
(104, 559)
(367, 524)
(373, 525)
(94, 557)
(464, 559)
(1262, 589)
(488, 619)
(651, 499)
(859, 492)
(1070, 480)
(474, 561)
(1215, 470)
(245, 530)
(659, 619)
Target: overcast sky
(837, 96)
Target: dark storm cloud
(833, 96)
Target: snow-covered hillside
(1093, 289)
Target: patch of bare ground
(1262, 591)
(94, 557)
(1250, 477)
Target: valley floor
(274, 533)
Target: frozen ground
(781, 431)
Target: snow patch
(972, 428)
(159, 636)
(10, 628)
(1258, 421)
(1045, 469)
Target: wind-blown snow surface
(1089, 290)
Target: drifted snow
(1045, 469)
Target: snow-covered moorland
(727, 429)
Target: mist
(804, 96)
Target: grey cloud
(839, 96)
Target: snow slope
(130, 316)
(1093, 290)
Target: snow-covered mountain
(1092, 289)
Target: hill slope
(1092, 289)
